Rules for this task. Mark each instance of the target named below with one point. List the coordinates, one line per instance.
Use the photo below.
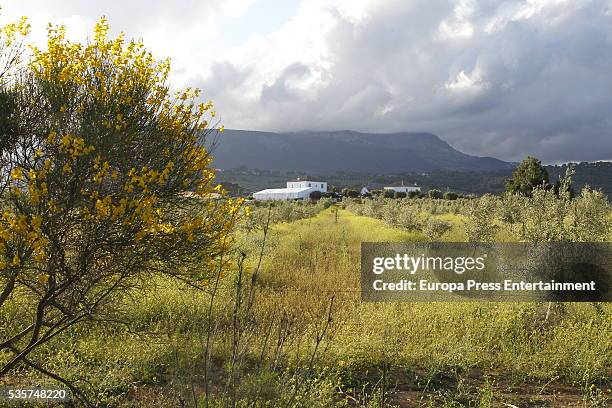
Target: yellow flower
(52, 206)
(5, 234)
(36, 222)
(140, 235)
(66, 141)
(52, 136)
(17, 173)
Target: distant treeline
(596, 175)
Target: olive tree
(435, 228)
(480, 225)
(106, 183)
(435, 194)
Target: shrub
(449, 195)
(435, 228)
(95, 175)
(316, 195)
(408, 218)
(435, 194)
(480, 226)
(350, 193)
(589, 216)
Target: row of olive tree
(544, 213)
(389, 193)
(284, 211)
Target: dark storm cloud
(504, 79)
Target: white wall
(404, 189)
(317, 185)
(282, 195)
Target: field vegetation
(284, 326)
(128, 277)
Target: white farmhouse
(403, 189)
(295, 190)
(316, 185)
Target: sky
(493, 78)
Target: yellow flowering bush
(106, 179)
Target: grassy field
(510, 343)
(301, 337)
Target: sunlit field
(298, 334)
(133, 275)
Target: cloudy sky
(498, 78)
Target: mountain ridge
(345, 150)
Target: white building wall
(403, 189)
(316, 185)
(283, 194)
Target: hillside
(346, 151)
(596, 175)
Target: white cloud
(494, 78)
(187, 31)
(465, 82)
(502, 78)
(459, 24)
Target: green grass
(508, 340)
(504, 336)
(368, 229)
(441, 354)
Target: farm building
(315, 185)
(295, 190)
(403, 188)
